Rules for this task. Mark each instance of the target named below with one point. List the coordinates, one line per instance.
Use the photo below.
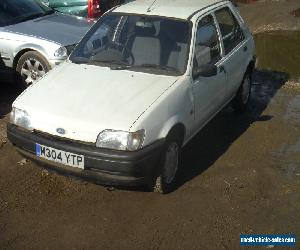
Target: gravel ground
(241, 174)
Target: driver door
(209, 92)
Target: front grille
(61, 139)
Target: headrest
(177, 32)
(144, 28)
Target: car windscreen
(15, 11)
(136, 42)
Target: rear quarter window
(231, 31)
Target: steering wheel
(124, 50)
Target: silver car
(34, 38)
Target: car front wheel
(31, 67)
(169, 165)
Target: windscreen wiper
(114, 64)
(156, 66)
(121, 67)
(50, 12)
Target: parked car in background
(84, 8)
(137, 88)
(34, 38)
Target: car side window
(231, 31)
(207, 47)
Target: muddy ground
(241, 174)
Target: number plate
(59, 156)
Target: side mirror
(205, 70)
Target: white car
(142, 82)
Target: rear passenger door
(235, 49)
(209, 92)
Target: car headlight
(61, 52)
(20, 118)
(121, 140)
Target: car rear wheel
(31, 67)
(169, 165)
(241, 100)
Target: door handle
(245, 48)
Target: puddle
(295, 13)
(279, 51)
(287, 160)
(292, 169)
(265, 85)
(294, 148)
(293, 111)
(289, 149)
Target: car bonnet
(85, 99)
(59, 28)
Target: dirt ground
(269, 15)
(241, 174)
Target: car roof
(182, 9)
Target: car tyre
(169, 164)
(30, 68)
(241, 100)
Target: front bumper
(108, 167)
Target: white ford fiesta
(142, 82)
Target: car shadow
(8, 92)
(217, 136)
(2, 65)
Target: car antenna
(149, 8)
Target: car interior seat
(174, 44)
(143, 42)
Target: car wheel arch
(177, 128)
(23, 51)
(18, 56)
(251, 66)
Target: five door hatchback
(141, 83)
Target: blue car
(84, 8)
